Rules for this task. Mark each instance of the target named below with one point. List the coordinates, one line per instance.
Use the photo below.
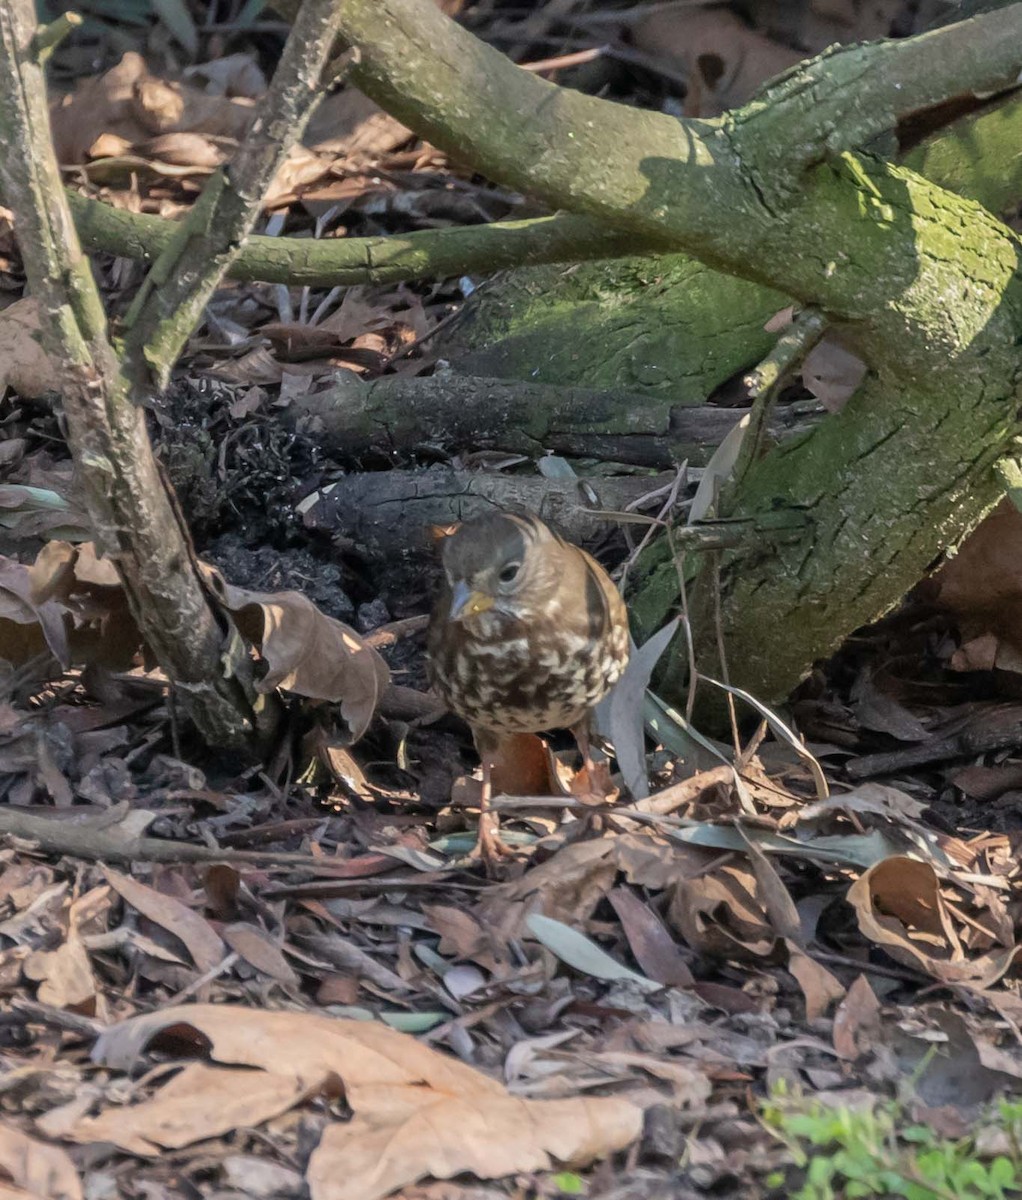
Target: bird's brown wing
(604, 607)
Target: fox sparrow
(529, 633)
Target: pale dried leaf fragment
(723, 60)
(199, 1102)
(28, 625)
(832, 373)
(24, 365)
(64, 975)
(982, 586)
(416, 1112)
(200, 939)
(820, 988)
(369, 1157)
(44, 1172)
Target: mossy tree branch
(973, 156)
(924, 282)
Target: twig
(575, 59)
(999, 729)
(902, 974)
(654, 810)
(392, 633)
(99, 841)
(48, 37)
(58, 1018)
(222, 967)
(766, 381)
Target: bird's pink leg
(489, 849)
(597, 775)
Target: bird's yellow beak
(467, 603)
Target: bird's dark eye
(508, 572)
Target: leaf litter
(258, 981)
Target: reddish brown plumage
(529, 633)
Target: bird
(528, 634)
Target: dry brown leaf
(461, 934)
(524, 766)
(982, 586)
(349, 123)
(24, 365)
(372, 1155)
(416, 1112)
(44, 1172)
(71, 599)
(183, 150)
(130, 105)
(567, 887)
(99, 106)
(28, 626)
(97, 621)
(259, 951)
(301, 169)
(306, 651)
(203, 944)
(899, 906)
(723, 60)
(651, 944)
(832, 373)
(717, 914)
(165, 107)
(819, 987)
(651, 862)
(856, 1021)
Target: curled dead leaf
(307, 652)
(85, 592)
(199, 1102)
(64, 975)
(131, 105)
(718, 914)
(899, 906)
(28, 625)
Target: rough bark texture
(389, 515)
(452, 412)
(669, 324)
